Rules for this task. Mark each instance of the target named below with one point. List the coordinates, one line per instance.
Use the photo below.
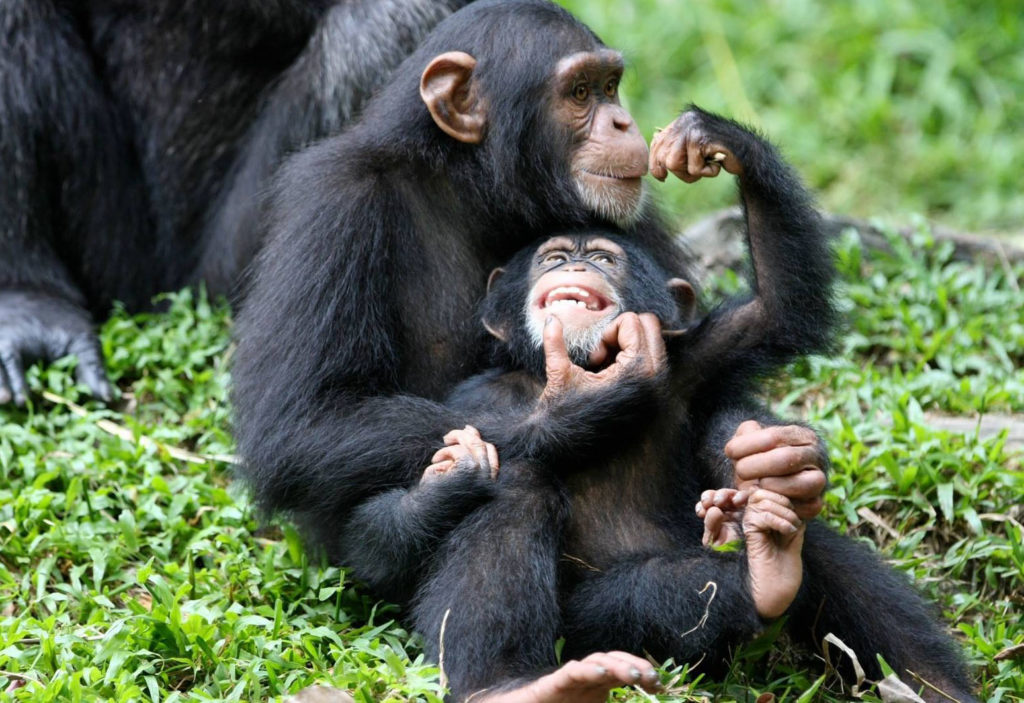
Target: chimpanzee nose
(574, 266)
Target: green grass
(885, 106)
(128, 574)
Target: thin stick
(127, 435)
(707, 608)
(929, 684)
(440, 649)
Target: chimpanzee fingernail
(634, 672)
(549, 320)
(600, 669)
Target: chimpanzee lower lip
(613, 177)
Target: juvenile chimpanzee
(504, 125)
(591, 533)
(137, 136)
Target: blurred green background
(887, 107)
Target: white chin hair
(608, 203)
(579, 342)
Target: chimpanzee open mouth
(578, 296)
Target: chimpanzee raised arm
(789, 311)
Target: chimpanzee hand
(775, 536)
(788, 460)
(633, 341)
(40, 327)
(695, 146)
(722, 513)
(465, 451)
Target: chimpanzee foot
(585, 681)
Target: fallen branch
(111, 427)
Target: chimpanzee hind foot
(586, 681)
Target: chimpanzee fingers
(752, 438)
(477, 447)
(556, 358)
(696, 164)
(707, 499)
(492, 458)
(653, 343)
(654, 161)
(90, 370)
(10, 360)
(767, 521)
(447, 454)
(639, 337)
(627, 668)
(806, 485)
(769, 510)
(610, 336)
(714, 519)
(438, 468)
(780, 461)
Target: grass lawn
(132, 569)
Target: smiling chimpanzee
(592, 533)
(503, 126)
(137, 136)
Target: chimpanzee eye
(580, 91)
(611, 88)
(602, 258)
(555, 257)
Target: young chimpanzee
(591, 532)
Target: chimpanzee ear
(452, 96)
(497, 330)
(686, 298)
(493, 278)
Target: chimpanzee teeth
(570, 290)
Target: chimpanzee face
(610, 155)
(577, 280)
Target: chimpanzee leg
(848, 591)
(74, 228)
(73, 212)
(350, 54)
(489, 612)
(683, 605)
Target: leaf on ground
(892, 690)
(1014, 652)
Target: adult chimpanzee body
(137, 136)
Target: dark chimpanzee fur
(591, 532)
(136, 137)
(361, 317)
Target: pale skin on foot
(588, 680)
(774, 536)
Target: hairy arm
(790, 310)
(326, 435)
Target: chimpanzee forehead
(591, 63)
